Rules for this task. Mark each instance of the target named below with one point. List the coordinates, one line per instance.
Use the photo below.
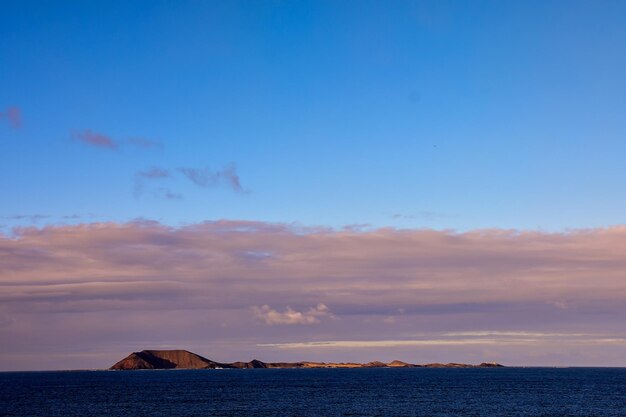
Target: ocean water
(317, 392)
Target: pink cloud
(96, 139)
(106, 142)
(13, 115)
(500, 285)
(392, 265)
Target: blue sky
(227, 145)
(456, 115)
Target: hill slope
(165, 359)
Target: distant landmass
(183, 359)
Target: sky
(312, 180)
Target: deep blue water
(317, 392)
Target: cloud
(230, 176)
(144, 143)
(36, 218)
(380, 270)
(352, 344)
(483, 333)
(530, 339)
(290, 316)
(33, 218)
(425, 215)
(13, 116)
(98, 140)
(129, 285)
(154, 173)
(205, 178)
(201, 177)
(167, 194)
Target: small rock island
(183, 359)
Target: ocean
(318, 392)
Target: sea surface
(317, 392)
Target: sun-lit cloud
(479, 294)
(384, 270)
(352, 344)
(290, 316)
(520, 339)
(500, 333)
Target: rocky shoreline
(183, 359)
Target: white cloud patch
(290, 316)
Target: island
(183, 359)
